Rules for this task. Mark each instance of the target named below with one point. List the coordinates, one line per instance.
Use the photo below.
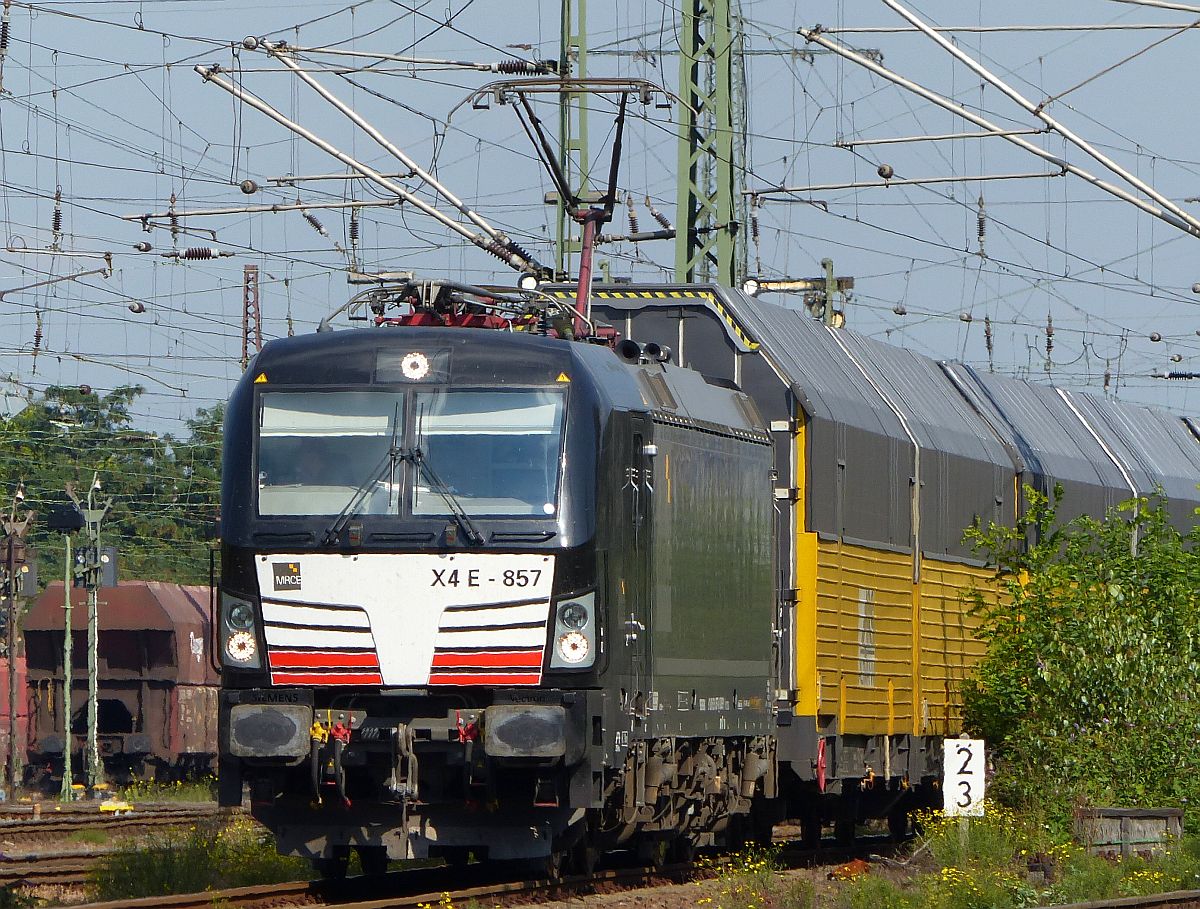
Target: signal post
(16, 568)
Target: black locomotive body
(493, 593)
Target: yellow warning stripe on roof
(708, 296)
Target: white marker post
(963, 783)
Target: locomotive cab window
(318, 450)
(490, 452)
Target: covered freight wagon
(883, 458)
(157, 685)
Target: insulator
(658, 216)
(201, 252)
(353, 225)
(56, 220)
(4, 27)
(37, 339)
(1107, 378)
(520, 67)
(633, 218)
(987, 335)
(316, 224)
(506, 250)
(981, 226)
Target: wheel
(844, 829)
(333, 867)
(582, 858)
(374, 859)
(683, 849)
(652, 851)
(897, 820)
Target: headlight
(238, 639)
(573, 647)
(573, 615)
(574, 639)
(241, 647)
(240, 616)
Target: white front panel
(405, 599)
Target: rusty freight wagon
(157, 686)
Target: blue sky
(101, 104)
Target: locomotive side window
(497, 452)
(316, 449)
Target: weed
(90, 837)
(201, 790)
(205, 856)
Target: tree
(165, 491)
(1088, 691)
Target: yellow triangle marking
(563, 377)
(262, 379)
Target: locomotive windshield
(315, 449)
(496, 451)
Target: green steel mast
(572, 127)
(707, 221)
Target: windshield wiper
(388, 464)
(474, 537)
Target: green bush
(1086, 694)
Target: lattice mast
(251, 314)
(707, 223)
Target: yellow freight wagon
(883, 458)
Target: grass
(205, 856)
(90, 837)
(987, 864)
(751, 880)
(201, 790)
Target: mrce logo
(287, 575)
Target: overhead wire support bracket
(1189, 226)
(281, 53)
(75, 277)
(937, 137)
(875, 184)
(151, 217)
(514, 66)
(497, 245)
(1038, 110)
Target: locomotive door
(637, 496)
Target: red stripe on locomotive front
(311, 659)
(326, 678)
(514, 678)
(513, 658)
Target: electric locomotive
(493, 592)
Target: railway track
(409, 889)
(345, 895)
(140, 816)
